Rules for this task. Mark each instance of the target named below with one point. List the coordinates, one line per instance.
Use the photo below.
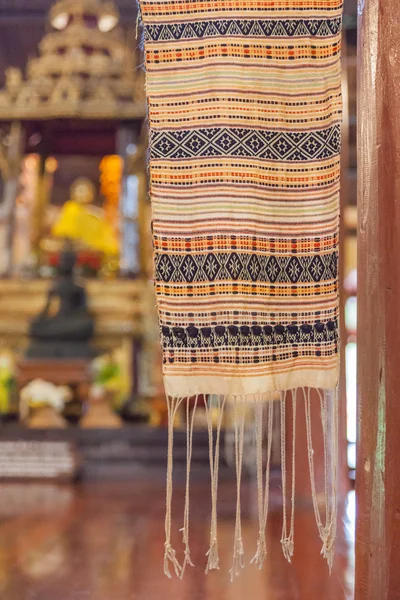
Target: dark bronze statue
(67, 332)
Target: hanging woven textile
(244, 105)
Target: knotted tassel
(169, 553)
(212, 554)
(238, 549)
(327, 531)
(287, 540)
(189, 450)
(263, 496)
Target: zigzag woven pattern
(244, 27)
(245, 110)
(274, 145)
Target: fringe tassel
(327, 531)
(238, 550)
(333, 413)
(287, 540)
(326, 527)
(262, 489)
(138, 20)
(212, 554)
(189, 450)
(169, 553)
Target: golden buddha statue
(85, 223)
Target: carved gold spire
(84, 69)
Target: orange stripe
(256, 289)
(173, 7)
(230, 50)
(252, 244)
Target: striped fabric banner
(244, 101)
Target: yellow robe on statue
(78, 223)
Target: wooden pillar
(42, 189)
(13, 170)
(378, 480)
(132, 147)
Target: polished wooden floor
(104, 541)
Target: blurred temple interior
(82, 407)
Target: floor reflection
(104, 541)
